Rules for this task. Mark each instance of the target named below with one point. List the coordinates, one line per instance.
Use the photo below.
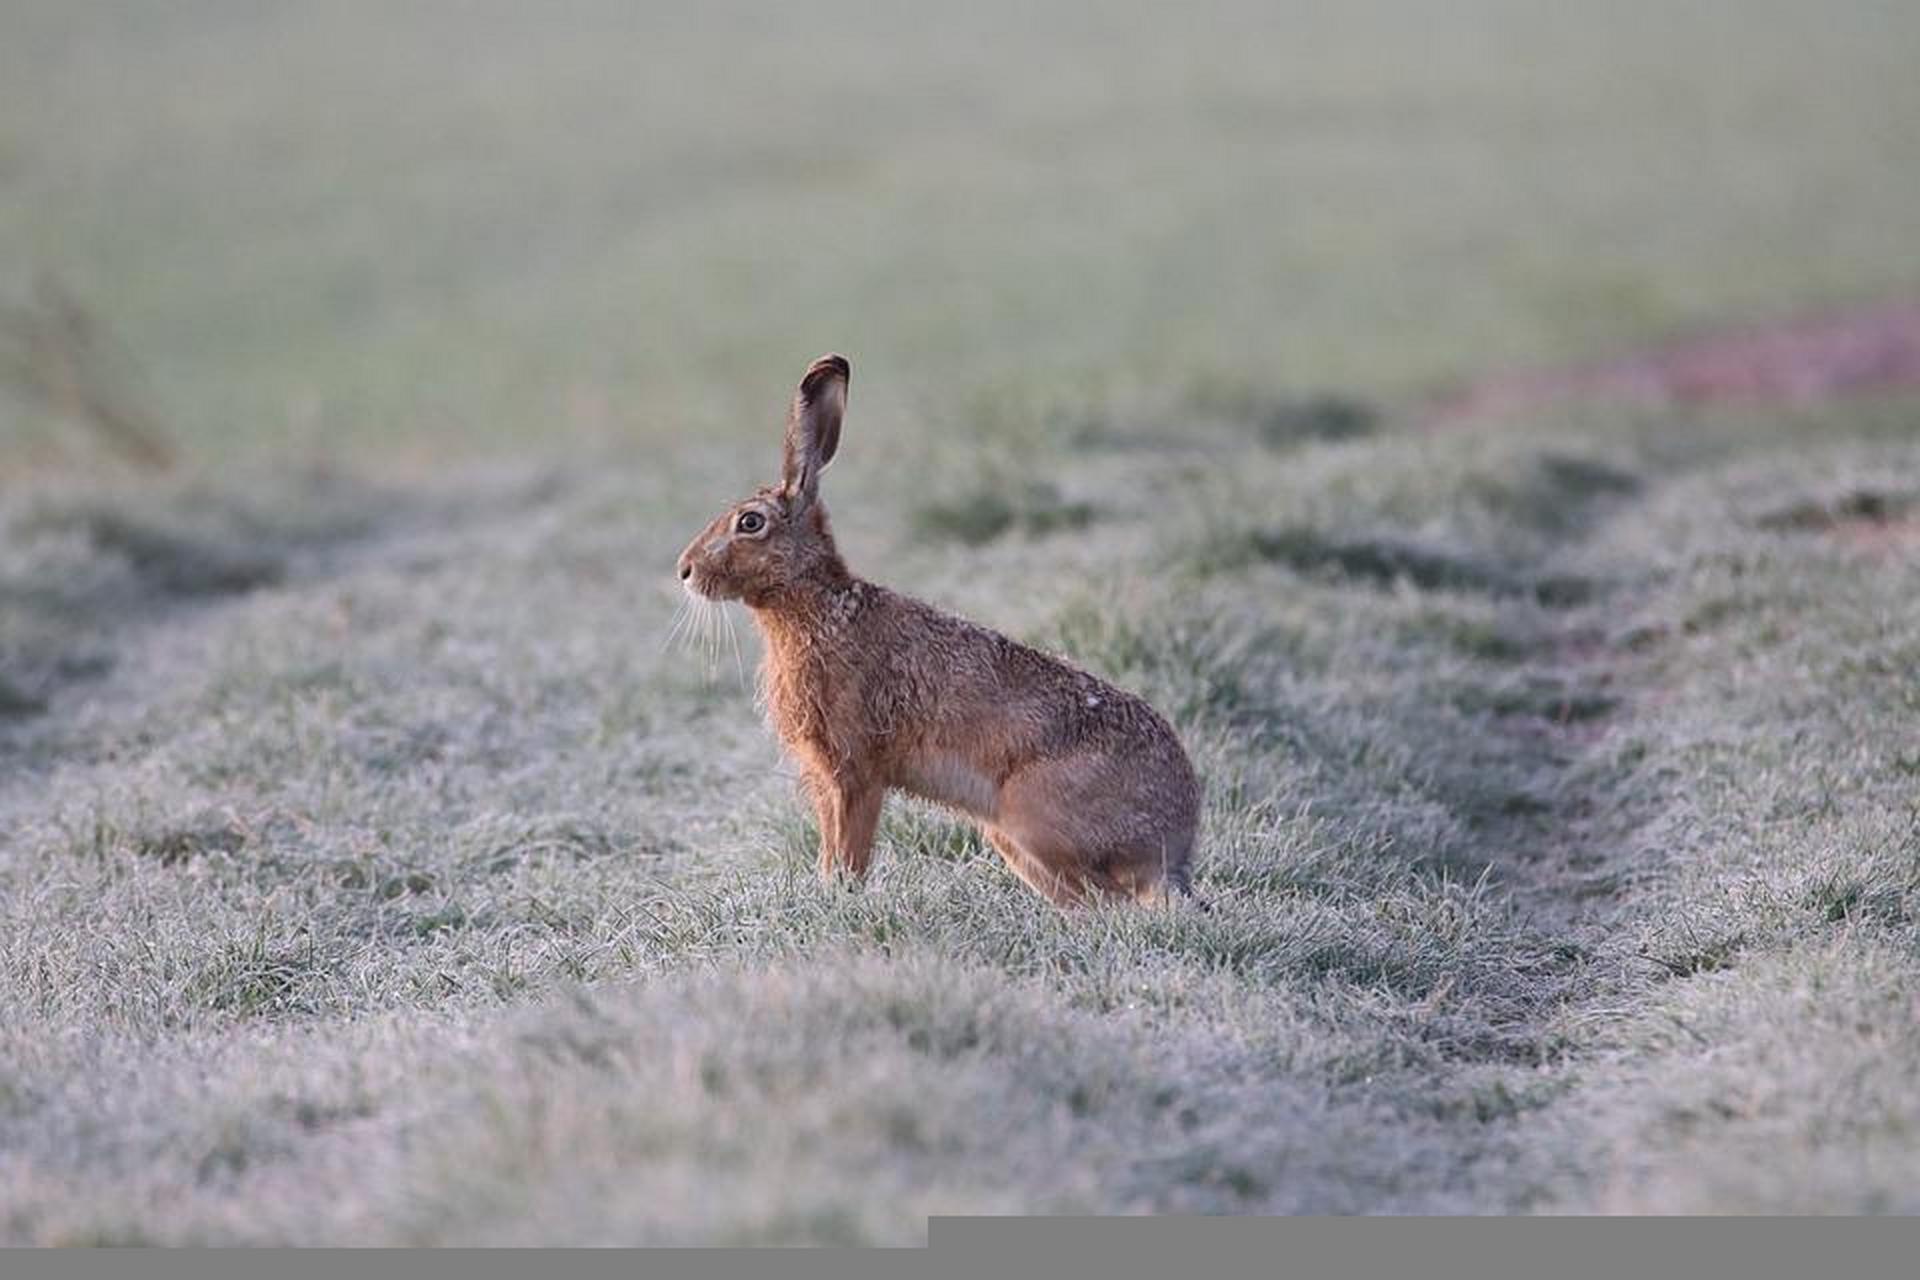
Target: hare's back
(981, 681)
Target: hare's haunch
(1082, 787)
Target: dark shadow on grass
(16, 701)
(1384, 560)
(1277, 421)
(178, 845)
(1558, 494)
(82, 574)
(1283, 421)
(1855, 506)
(172, 563)
(1036, 509)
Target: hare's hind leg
(1063, 889)
(1081, 821)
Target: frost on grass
(372, 870)
(491, 926)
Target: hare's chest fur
(822, 700)
(865, 688)
(855, 718)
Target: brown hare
(1082, 787)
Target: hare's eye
(750, 522)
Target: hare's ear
(813, 425)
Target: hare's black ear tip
(830, 366)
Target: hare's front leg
(848, 810)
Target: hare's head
(778, 540)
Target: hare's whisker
(733, 634)
(710, 625)
(680, 614)
(689, 626)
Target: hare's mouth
(703, 586)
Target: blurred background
(425, 232)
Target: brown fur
(1082, 787)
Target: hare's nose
(686, 571)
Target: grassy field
(371, 870)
